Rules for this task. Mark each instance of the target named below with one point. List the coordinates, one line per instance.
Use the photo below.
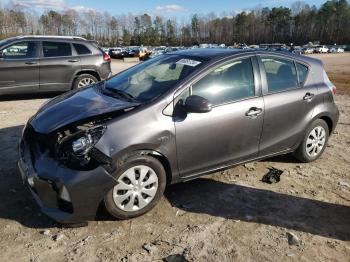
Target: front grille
(42, 141)
(38, 143)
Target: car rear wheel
(314, 142)
(84, 80)
(140, 185)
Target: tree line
(299, 24)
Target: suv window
(280, 74)
(302, 73)
(81, 49)
(227, 83)
(56, 49)
(20, 50)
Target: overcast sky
(179, 8)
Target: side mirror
(197, 104)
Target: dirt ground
(227, 216)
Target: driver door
(230, 132)
(19, 67)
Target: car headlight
(82, 145)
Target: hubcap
(315, 141)
(136, 188)
(85, 82)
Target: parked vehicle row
(150, 52)
(322, 49)
(122, 52)
(46, 64)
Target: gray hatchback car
(171, 119)
(31, 64)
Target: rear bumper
(50, 184)
(105, 70)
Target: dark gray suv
(171, 119)
(30, 64)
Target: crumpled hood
(75, 106)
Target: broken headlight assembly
(75, 146)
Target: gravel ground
(227, 216)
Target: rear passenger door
(289, 103)
(58, 65)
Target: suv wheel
(140, 185)
(314, 142)
(84, 80)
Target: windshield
(3, 42)
(150, 79)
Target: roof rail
(52, 36)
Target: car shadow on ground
(287, 158)
(237, 202)
(29, 96)
(204, 196)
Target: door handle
(254, 112)
(73, 60)
(308, 96)
(31, 63)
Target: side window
(56, 49)
(81, 49)
(302, 73)
(20, 50)
(227, 83)
(280, 74)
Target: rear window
(302, 73)
(56, 49)
(280, 73)
(81, 49)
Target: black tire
(81, 77)
(301, 153)
(148, 161)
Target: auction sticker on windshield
(188, 62)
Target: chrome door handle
(253, 112)
(308, 96)
(31, 63)
(73, 60)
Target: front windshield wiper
(121, 94)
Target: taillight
(328, 82)
(106, 57)
(334, 90)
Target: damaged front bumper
(65, 195)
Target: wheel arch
(153, 153)
(329, 123)
(89, 72)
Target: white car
(308, 50)
(321, 49)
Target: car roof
(220, 53)
(209, 53)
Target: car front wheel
(314, 142)
(140, 184)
